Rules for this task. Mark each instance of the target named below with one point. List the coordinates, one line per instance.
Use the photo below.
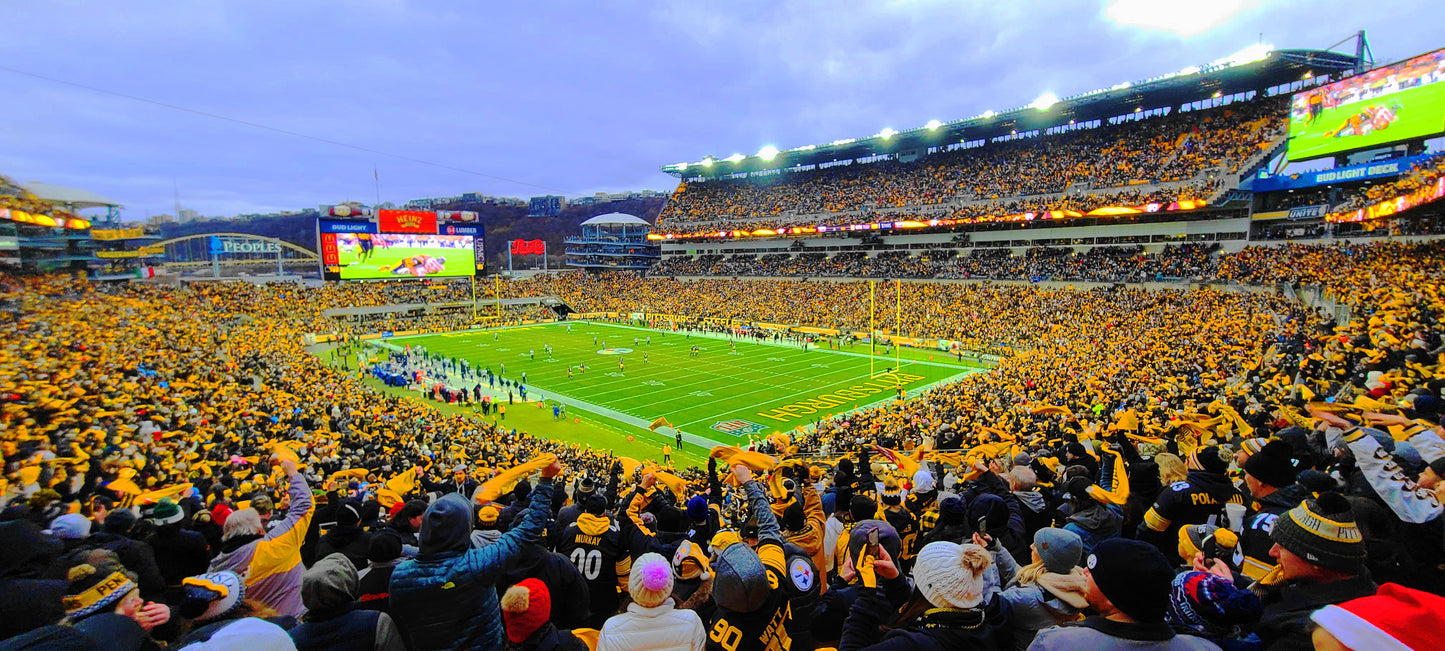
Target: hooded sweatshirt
(332, 621)
(594, 545)
(445, 597)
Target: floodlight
(933, 125)
(988, 114)
(1256, 52)
(682, 167)
(1045, 101)
(768, 152)
(707, 162)
(1217, 94)
(734, 158)
(886, 133)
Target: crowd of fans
(1123, 264)
(1423, 175)
(1174, 148)
(1146, 469)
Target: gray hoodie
(329, 590)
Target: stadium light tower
(768, 152)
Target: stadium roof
(77, 199)
(1253, 69)
(615, 218)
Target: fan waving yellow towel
(493, 488)
(755, 461)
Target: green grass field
(1421, 112)
(720, 396)
(459, 262)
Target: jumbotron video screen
(1387, 104)
(398, 245)
(364, 256)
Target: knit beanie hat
(922, 481)
(348, 513)
(71, 526)
(1253, 446)
(951, 575)
(1211, 606)
(1207, 538)
(1208, 460)
(166, 512)
(951, 510)
(211, 596)
(1272, 464)
(1323, 532)
(1134, 576)
(861, 508)
(487, 517)
(1060, 549)
(697, 508)
(95, 588)
(1395, 617)
(385, 546)
(650, 582)
(526, 607)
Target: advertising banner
(407, 221)
(1308, 212)
(1347, 174)
(110, 234)
(228, 245)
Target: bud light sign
(220, 246)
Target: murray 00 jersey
(595, 546)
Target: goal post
(873, 330)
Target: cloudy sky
(551, 96)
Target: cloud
(581, 97)
(1184, 18)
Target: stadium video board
(1388, 104)
(359, 250)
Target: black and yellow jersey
(594, 544)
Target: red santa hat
(1395, 618)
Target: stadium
(1157, 365)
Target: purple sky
(575, 97)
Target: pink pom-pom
(655, 576)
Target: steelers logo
(1093, 560)
(801, 574)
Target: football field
(720, 394)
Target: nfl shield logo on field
(738, 427)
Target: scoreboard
(399, 244)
